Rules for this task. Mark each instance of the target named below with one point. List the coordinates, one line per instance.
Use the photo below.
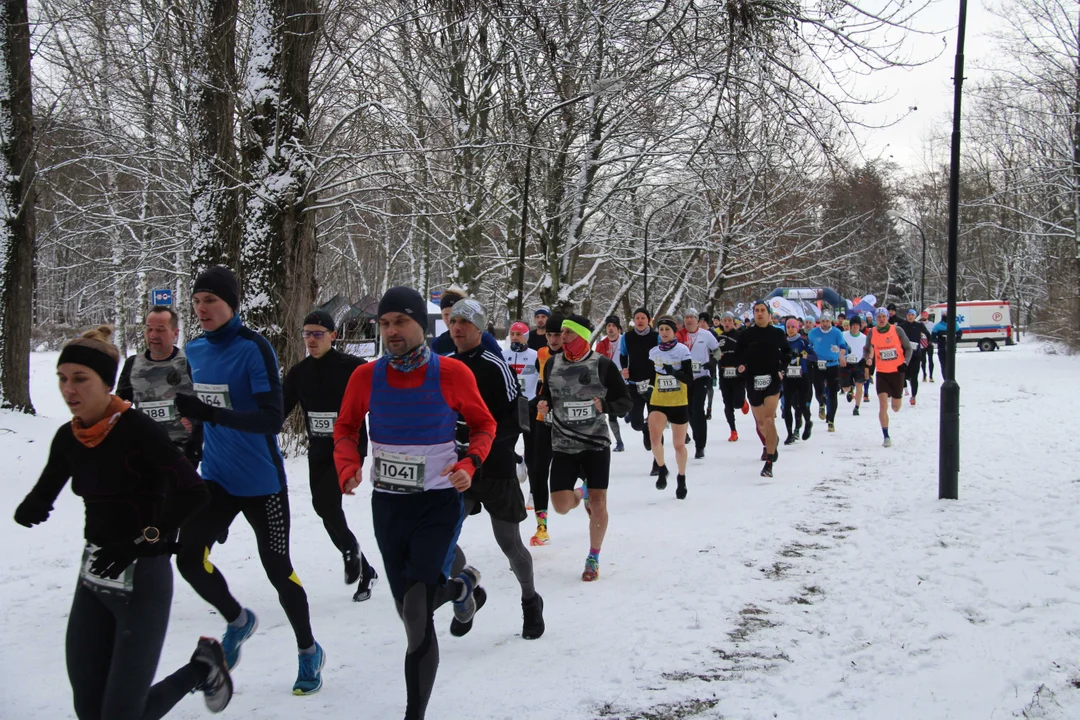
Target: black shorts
(593, 465)
(853, 373)
(891, 384)
(678, 415)
(500, 495)
(757, 397)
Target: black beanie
(449, 297)
(642, 310)
(320, 318)
(220, 281)
(613, 320)
(404, 300)
(554, 324)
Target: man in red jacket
(411, 399)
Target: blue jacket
(824, 342)
(799, 345)
(940, 334)
(240, 450)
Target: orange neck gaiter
(96, 434)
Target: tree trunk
(17, 167)
(279, 245)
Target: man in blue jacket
(831, 349)
(238, 398)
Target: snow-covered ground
(841, 588)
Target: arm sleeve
(350, 424)
(53, 477)
(123, 385)
(783, 351)
(624, 359)
(187, 491)
(685, 373)
(617, 402)
(462, 395)
(289, 392)
(262, 373)
(906, 344)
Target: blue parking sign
(161, 297)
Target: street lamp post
(949, 430)
(922, 279)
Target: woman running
(669, 400)
(138, 488)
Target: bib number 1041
(398, 472)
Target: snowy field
(841, 588)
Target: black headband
(101, 363)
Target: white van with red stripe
(986, 323)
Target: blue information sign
(161, 297)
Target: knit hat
(690, 312)
(613, 320)
(94, 350)
(320, 318)
(891, 306)
(471, 311)
(449, 297)
(543, 310)
(669, 321)
(826, 316)
(727, 315)
(220, 281)
(642, 310)
(404, 300)
(881, 311)
(519, 327)
(705, 317)
(554, 324)
(579, 325)
(856, 319)
(912, 311)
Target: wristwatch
(150, 534)
(476, 461)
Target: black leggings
(113, 647)
(817, 379)
(540, 465)
(326, 499)
(830, 384)
(734, 393)
(797, 395)
(638, 414)
(268, 516)
(417, 611)
(699, 394)
(928, 357)
(508, 537)
(913, 374)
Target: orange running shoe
(733, 437)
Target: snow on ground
(841, 588)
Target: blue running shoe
(235, 637)
(619, 447)
(465, 609)
(309, 678)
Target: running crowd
(437, 426)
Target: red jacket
(458, 388)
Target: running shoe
(217, 688)
(832, 428)
(522, 472)
(619, 447)
(655, 469)
(821, 412)
(931, 379)
(807, 429)
(309, 677)
(352, 566)
(855, 412)
(745, 407)
(532, 610)
(767, 470)
(368, 578)
(887, 443)
(529, 503)
(680, 487)
(699, 454)
(661, 478)
(764, 454)
(733, 437)
(465, 610)
(790, 439)
(912, 401)
(592, 569)
(850, 396)
(235, 637)
(541, 537)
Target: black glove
(111, 560)
(29, 513)
(902, 368)
(192, 407)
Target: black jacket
(636, 358)
(318, 386)
(499, 388)
(763, 350)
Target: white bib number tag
(794, 371)
(213, 395)
(729, 372)
(121, 586)
(696, 366)
(321, 424)
(822, 364)
(521, 383)
(399, 472)
(667, 383)
(160, 410)
(579, 412)
(643, 387)
(887, 353)
(762, 381)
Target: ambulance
(986, 323)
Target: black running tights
(797, 396)
(540, 465)
(326, 499)
(734, 393)
(268, 516)
(113, 646)
(417, 610)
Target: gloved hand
(190, 406)
(902, 368)
(111, 560)
(29, 513)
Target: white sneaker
(522, 472)
(887, 443)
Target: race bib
(887, 353)
(399, 472)
(321, 424)
(521, 382)
(667, 383)
(160, 410)
(213, 395)
(696, 366)
(822, 364)
(762, 381)
(794, 371)
(643, 387)
(729, 372)
(580, 411)
(121, 586)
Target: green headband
(580, 330)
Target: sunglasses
(317, 334)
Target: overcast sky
(929, 87)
